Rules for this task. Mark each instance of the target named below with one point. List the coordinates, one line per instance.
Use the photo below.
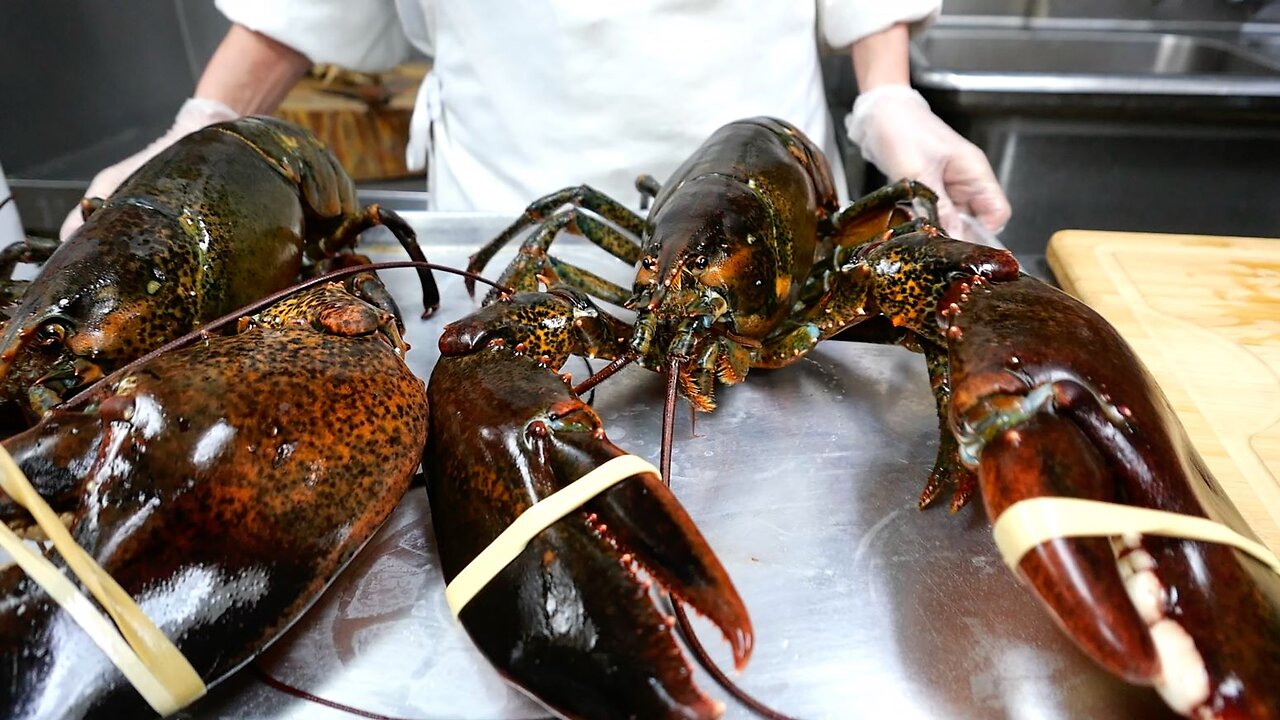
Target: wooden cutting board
(1203, 313)
(364, 119)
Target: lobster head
(714, 277)
(44, 358)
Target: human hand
(900, 135)
(194, 114)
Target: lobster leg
(31, 249)
(372, 216)
(579, 198)
(89, 206)
(948, 470)
(533, 262)
(882, 210)
(649, 188)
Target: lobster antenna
(5, 201)
(277, 684)
(604, 373)
(204, 332)
(682, 618)
(669, 420)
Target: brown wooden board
(364, 119)
(1203, 313)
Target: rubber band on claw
(538, 517)
(155, 667)
(1028, 523)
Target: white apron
(575, 91)
(530, 96)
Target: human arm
(897, 132)
(249, 73)
(267, 49)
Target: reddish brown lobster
(223, 486)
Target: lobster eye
(649, 263)
(51, 333)
(699, 262)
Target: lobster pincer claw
(1048, 400)
(570, 619)
(223, 486)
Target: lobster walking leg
(30, 249)
(373, 216)
(882, 210)
(552, 213)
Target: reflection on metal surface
(804, 481)
(1076, 61)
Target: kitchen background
(1159, 115)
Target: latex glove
(194, 114)
(900, 135)
(10, 223)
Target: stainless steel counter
(804, 481)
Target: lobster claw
(570, 619)
(223, 486)
(1048, 400)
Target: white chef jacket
(529, 96)
(10, 223)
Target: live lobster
(746, 260)
(225, 216)
(222, 485)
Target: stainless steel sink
(1075, 61)
(1154, 130)
(1264, 44)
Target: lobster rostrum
(227, 215)
(746, 261)
(569, 619)
(222, 485)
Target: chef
(525, 98)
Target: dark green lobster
(746, 260)
(224, 217)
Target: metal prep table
(804, 481)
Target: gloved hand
(900, 135)
(194, 114)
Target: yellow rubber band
(159, 671)
(535, 519)
(1027, 523)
